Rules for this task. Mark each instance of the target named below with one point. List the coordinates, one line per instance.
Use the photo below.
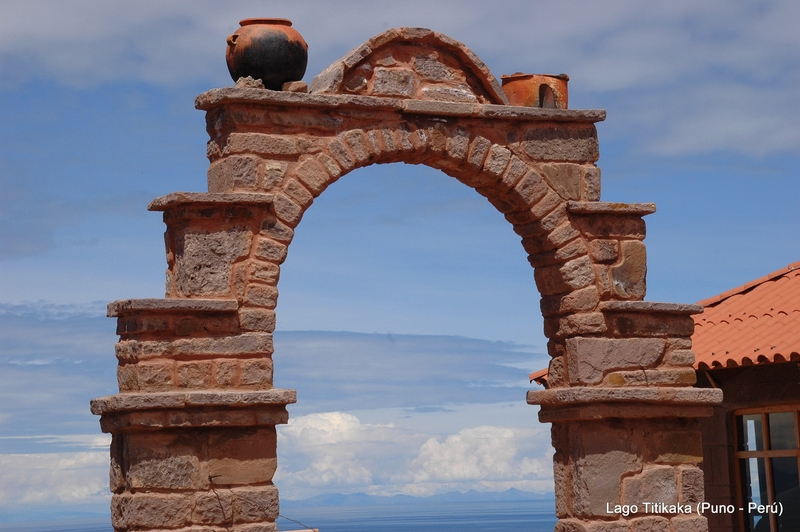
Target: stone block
(298, 193)
(517, 168)
(588, 359)
(128, 378)
(194, 374)
(457, 144)
(265, 271)
(563, 178)
(583, 300)
(236, 472)
(227, 372)
(497, 161)
(604, 251)
(679, 357)
(570, 525)
(477, 152)
(598, 477)
(203, 262)
(150, 510)
(567, 143)
(255, 527)
(341, 154)
(393, 82)
(262, 296)
(651, 523)
(690, 481)
(531, 188)
(236, 172)
(690, 524)
(270, 250)
(629, 275)
(652, 377)
(572, 275)
(213, 508)
(167, 472)
(562, 234)
(277, 231)
(257, 373)
(607, 526)
(332, 167)
(574, 325)
(264, 144)
(611, 226)
(153, 376)
(287, 210)
(254, 319)
(591, 184)
(357, 141)
(255, 504)
(654, 484)
(656, 324)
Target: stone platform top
(231, 95)
(196, 399)
(126, 306)
(663, 396)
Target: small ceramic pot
(268, 49)
(536, 90)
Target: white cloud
(53, 479)
(335, 450)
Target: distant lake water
(501, 516)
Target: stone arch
(197, 409)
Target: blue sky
(424, 305)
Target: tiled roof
(758, 323)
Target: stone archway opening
(194, 423)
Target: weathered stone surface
(146, 510)
(235, 173)
(394, 82)
(574, 143)
(654, 484)
(178, 400)
(166, 472)
(583, 300)
(203, 262)
(690, 481)
(666, 396)
(213, 507)
(270, 250)
(588, 359)
(236, 472)
(689, 524)
(650, 524)
(298, 193)
(574, 325)
(257, 373)
(564, 178)
(652, 377)
(194, 374)
(262, 296)
(256, 319)
(679, 357)
(629, 274)
(255, 504)
(572, 275)
(570, 525)
(604, 250)
(123, 306)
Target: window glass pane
(751, 438)
(754, 489)
(781, 431)
(786, 482)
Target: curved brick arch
(193, 427)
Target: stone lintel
(177, 199)
(194, 418)
(600, 411)
(650, 307)
(493, 112)
(124, 402)
(605, 207)
(646, 397)
(159, 305)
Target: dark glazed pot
(268, 49)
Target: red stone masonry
(194, 423)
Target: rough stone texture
(629, 274)
(589, 359)
(650, 524)
(653, 484)
(689, 524)
(203, 261)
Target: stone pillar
(625, 422)
(193, 427)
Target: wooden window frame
(767, 453)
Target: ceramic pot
(268, 49)
(536, 90)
